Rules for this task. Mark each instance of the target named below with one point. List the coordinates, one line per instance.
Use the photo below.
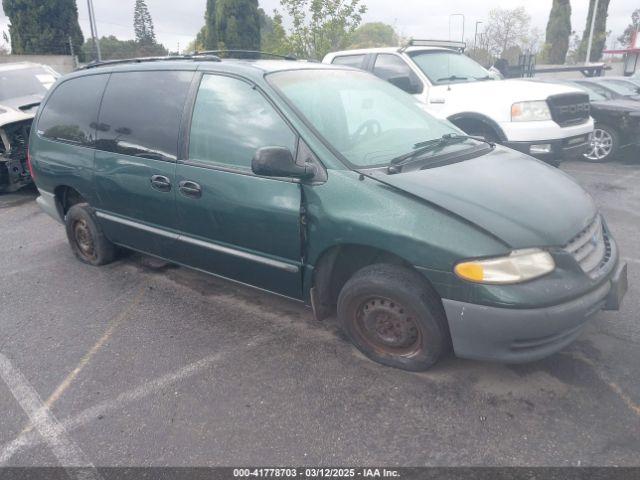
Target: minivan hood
(521, 200)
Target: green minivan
(329, 186)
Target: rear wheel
(393, 316)
(603, 146)
(85, 236)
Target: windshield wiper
(452, 78)
(486, 77)
(435, 145)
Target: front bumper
(14, 175)
(559, 150)
(524, 335)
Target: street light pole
(456, 15)
(94, 31)
(593, 24)
(475, 36)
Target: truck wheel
(85, 236)
(393, 316)
(604, 144)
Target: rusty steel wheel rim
(388, 327)
(84, 239)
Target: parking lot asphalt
(134, 364)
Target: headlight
(519, 266)
(530, 111)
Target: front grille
(569, 108)
(591, 248)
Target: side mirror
(406, 84)
(279, 162)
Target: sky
(177, 22)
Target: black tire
(393, 316)
(595, 155)
(86, 238)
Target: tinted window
(231, 120)
(393, 69)
(141, 113)
(71, 112)
(354, 61)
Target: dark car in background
(616, 116)
(611, 88)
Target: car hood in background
(18, 109)
(510, 91)
(620, 104)
(522, 201)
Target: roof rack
(106, 63)
(458, 46)
(230, 53)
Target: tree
(143, 24)
(320, 26)
(238, 24)
(210, 32)
(506, 28)
(599, 31)
(114, 49)
(43, 27)
(198, 43)
(558, 32)
(634, 26)
(376, 34)
(273, 37)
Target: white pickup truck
(545, 120)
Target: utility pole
(73, 53)
(593, 24)
(94, 31)
(475, 36)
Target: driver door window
(393, 69)
(231, 120)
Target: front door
(234, 223)
(137, 145)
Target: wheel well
(67, 197)
(478, 125)
(337, 265)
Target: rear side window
(141, 113)
(71, 112)
(231, 120)
(355, 61)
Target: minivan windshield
(367, 120)
(445, 66)
(25, 82)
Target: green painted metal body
(430, 218)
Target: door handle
(190, 189)
(161, 183)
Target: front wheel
(393, 316)
(603, 146)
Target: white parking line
(29, 439)
(49, 428)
